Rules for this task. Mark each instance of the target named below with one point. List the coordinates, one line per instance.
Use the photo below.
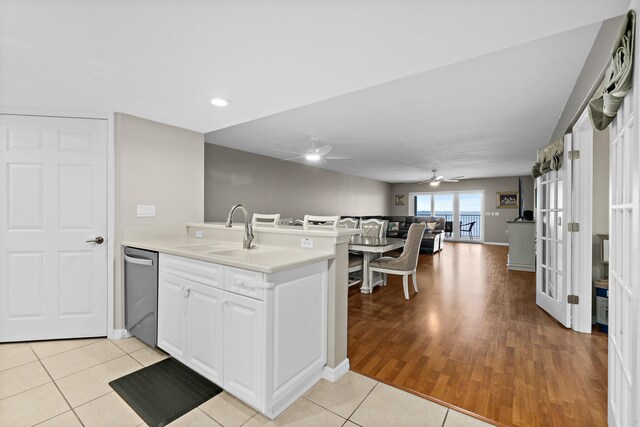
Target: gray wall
(589, 76)
(495, 226)
(156, 164)
(267, 185)
(600, 211)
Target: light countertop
(266, 259)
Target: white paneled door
(53, 215)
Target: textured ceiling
(163, 59)
(482, 117)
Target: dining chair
(406, 263)
(374, 227)
(265, 218)
(318, 220)
(349, 223)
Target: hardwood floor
(473, 337)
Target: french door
(53, 212)
(552, 252)
(624, 256)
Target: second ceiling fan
(315, 153)
(437, 179)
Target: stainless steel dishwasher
(141, 294)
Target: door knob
(98, 240)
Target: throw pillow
(432, 226)
(393, 226)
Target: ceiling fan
(314, 153)
(436, 180)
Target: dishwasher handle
(138, 261)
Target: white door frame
(109, 117)
(581, 270)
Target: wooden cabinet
(262, 337)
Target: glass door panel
(470, 208)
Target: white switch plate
(306, 243)
(199, 234)
(146, 210)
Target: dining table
(372, 248)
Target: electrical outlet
(306, 243)
(199, 234)
(145, 211)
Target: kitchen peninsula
(264, 323)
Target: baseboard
(334, 374)
(496, 243)
(118, 334)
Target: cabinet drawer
(244, 282)
(207, 273)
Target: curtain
(618, 79)
(549, 158)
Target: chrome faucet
(248, 228)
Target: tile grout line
(319, 405)
(60, 391)
(365, 398)
(445, 417)
(65, 351)
(93, 366)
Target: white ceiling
(162, 60)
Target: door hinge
(574, 154)
(573, 227)
(573, 299)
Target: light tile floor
(65, 383)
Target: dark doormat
(164, 391)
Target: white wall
(495, 227)
(267, 185)
(156, 164)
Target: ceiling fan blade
(323, 150)
(288, 151)
(439, 178)
(449, 180)
(456, 177)
(292, 158)
(338, 157)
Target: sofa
(433, 239)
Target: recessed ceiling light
(220, 102)
(314, 157)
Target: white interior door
(551, 251)
(581, 242)
(53, 199)
(624, 256)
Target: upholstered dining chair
(374, 227)
(406, 263)
(311, 220)
(265, 218)
(349, 223)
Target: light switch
(306, 243)
(145, 211)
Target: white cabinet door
(172, 306)
(244, 348)
(53, 200)
(204, 331)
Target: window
(462, 208)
